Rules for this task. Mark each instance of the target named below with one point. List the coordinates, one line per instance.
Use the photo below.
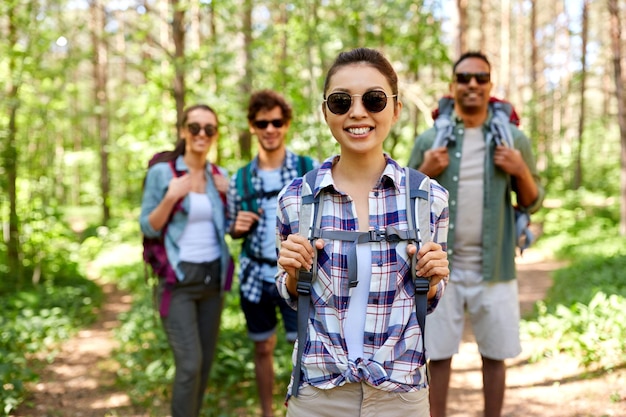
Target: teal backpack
(250, 198)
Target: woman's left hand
(432, 262)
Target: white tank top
(354, 325)
(198, 242)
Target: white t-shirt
(199, 243)
(468, 230)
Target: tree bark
(178, 35)
(505, 48)
(245, 139)
(578, 169)
(101, 101)
(463, 26)
(616, 46)
(10, 155)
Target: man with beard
(252, 197)
(479, 172)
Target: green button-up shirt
(498, 235)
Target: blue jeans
(192, 327)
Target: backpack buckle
(422, 285)
(304, 282)
(377, 235)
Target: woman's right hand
(178, 187)
(296, 253)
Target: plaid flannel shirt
(250, 276)
(393, 358)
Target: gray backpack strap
(418, 194)
(500, 128)
(443, 124)
(501, 132)
(308, 209)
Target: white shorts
(493, 310)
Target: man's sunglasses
(195, 128)
(263, 124)
(466, 77)
(373, 101)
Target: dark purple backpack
(154, 253)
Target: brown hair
(267, 100)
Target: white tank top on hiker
(354, 325)
(198, 243)
(468, 230)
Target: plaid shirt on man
(393, 357)
(250, 276)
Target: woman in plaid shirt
(364, 352)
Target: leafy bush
(581, 314)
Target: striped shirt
(393, 359)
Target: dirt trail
(80, 381)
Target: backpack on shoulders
(503, 116)
(418, 232)
(245, 188)
(154, 253)
(250, 198)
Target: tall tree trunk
(616, 46)
(505, 48)
(10, 155)
(245, 139)
(463, 26)
(484, 24)
(101, 101)
(533, 69)
(578, 169)
(283, 21)
(178, 35)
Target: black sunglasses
(263, 124)
(466, 77)
(195, 128)
(373, 101)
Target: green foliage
(592, 332)
(582, 314)
(582, 222)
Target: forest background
(91, 89)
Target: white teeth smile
(359, 130)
